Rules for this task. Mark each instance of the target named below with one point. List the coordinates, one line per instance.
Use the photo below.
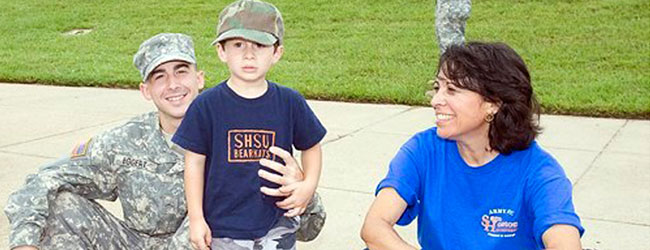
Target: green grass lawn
(586, 57)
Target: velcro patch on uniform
(80, 150)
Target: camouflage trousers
(78, 223)
(451, 17)
(281, 237)
(284, 233)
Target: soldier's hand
(200, 234)
(290, 173)
(301, 193)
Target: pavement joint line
(591, 165)
(617, 221)
(394, 133)
(58, 134)
(331, 140)
(31, 155)
(626, 153)
(346, 190)
(572, 149)
(371, 124)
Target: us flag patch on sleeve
(80, 149)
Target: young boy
(243, 123)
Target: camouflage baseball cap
(252, 20)
(162, 48)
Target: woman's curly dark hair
(497, 73)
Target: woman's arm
(377, 230)
(561, 236)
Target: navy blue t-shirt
(234, 133)
(507, 203)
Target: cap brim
(164, 59)
(252, 35)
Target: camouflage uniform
(313, 220)
(55, 208)
(451, 17)
(133, 161)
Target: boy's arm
(312, 161)
(200, 234)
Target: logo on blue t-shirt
(500, 223)
(250, 145)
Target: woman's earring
(489, 118)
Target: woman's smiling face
(460, 113)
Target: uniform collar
(159, 137)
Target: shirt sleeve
(308, 130)
(403, 176)
(88, 173)
(194, 133)
(551, 200)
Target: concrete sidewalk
(608, 160)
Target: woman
(478, 180)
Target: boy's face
(172, 86)
(248, 61)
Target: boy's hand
(200, 234)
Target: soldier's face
(172, 86)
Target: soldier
(451, 17)
(136, 162)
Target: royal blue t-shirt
(506, 204)
(234, 133)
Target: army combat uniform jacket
(133, 162)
